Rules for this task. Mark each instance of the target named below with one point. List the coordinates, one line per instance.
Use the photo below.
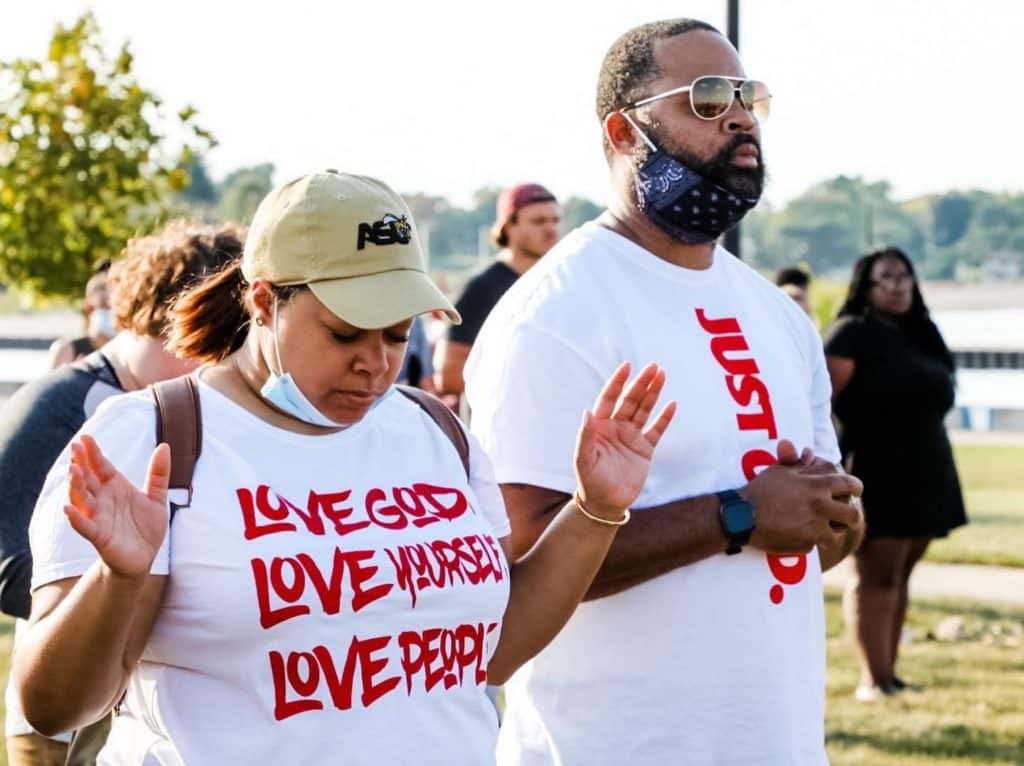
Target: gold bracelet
(598, 519)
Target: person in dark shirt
(526, 227)
(892, 381)
(42, 416)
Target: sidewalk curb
(982, 583)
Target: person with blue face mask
(282, 392)
(340, 587)
(99, 325)
(716, 584)
(37, 423)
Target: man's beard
(747, 182)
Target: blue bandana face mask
(681, 202)
(284, 393)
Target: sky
(446, 97)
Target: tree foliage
(825, 229)
(831, 224)
(576, 211)
(952, 215)
(455, 232)
(200, 190)
(241, 191)
(84, 160)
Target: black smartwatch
(738, 519)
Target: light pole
(732, 237)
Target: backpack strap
(444, 418)
(179, 424)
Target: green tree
(242, 190)
(834, 222)
(83, 164)
(455, 231)
(995, 229)
(424, 207)
(200, 189)
(576, 211)
(951, 214)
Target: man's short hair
(154, 269)
(629, 65)
(793, 276)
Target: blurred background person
(40, 419)
(99, 323)
(892, 381)
(525, 228)
(418, 365)
(796, 283)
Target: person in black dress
(892, 382)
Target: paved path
(984, 583)
(40, 324)
(987, 438)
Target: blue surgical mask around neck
(283, 392)
(681, 202)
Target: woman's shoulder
(843, 336)
(849, 323)
(131, 404)
(131, 414)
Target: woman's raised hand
(126, 525)
(615, 444)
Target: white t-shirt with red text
(331, 599)
(718, 662)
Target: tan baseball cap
(352, 240)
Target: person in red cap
(525, 228)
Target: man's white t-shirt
(331, 599)
(718, 662)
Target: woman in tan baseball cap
(338, 590)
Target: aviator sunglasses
(712, 95)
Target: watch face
(738, 517)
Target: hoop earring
(259, 321)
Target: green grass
(971, 711)
(993, 482)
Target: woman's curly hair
(154, 269)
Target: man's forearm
(449, 363)
(658, 540)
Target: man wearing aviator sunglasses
(672, 172)
(713, 95)
(702, 639)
